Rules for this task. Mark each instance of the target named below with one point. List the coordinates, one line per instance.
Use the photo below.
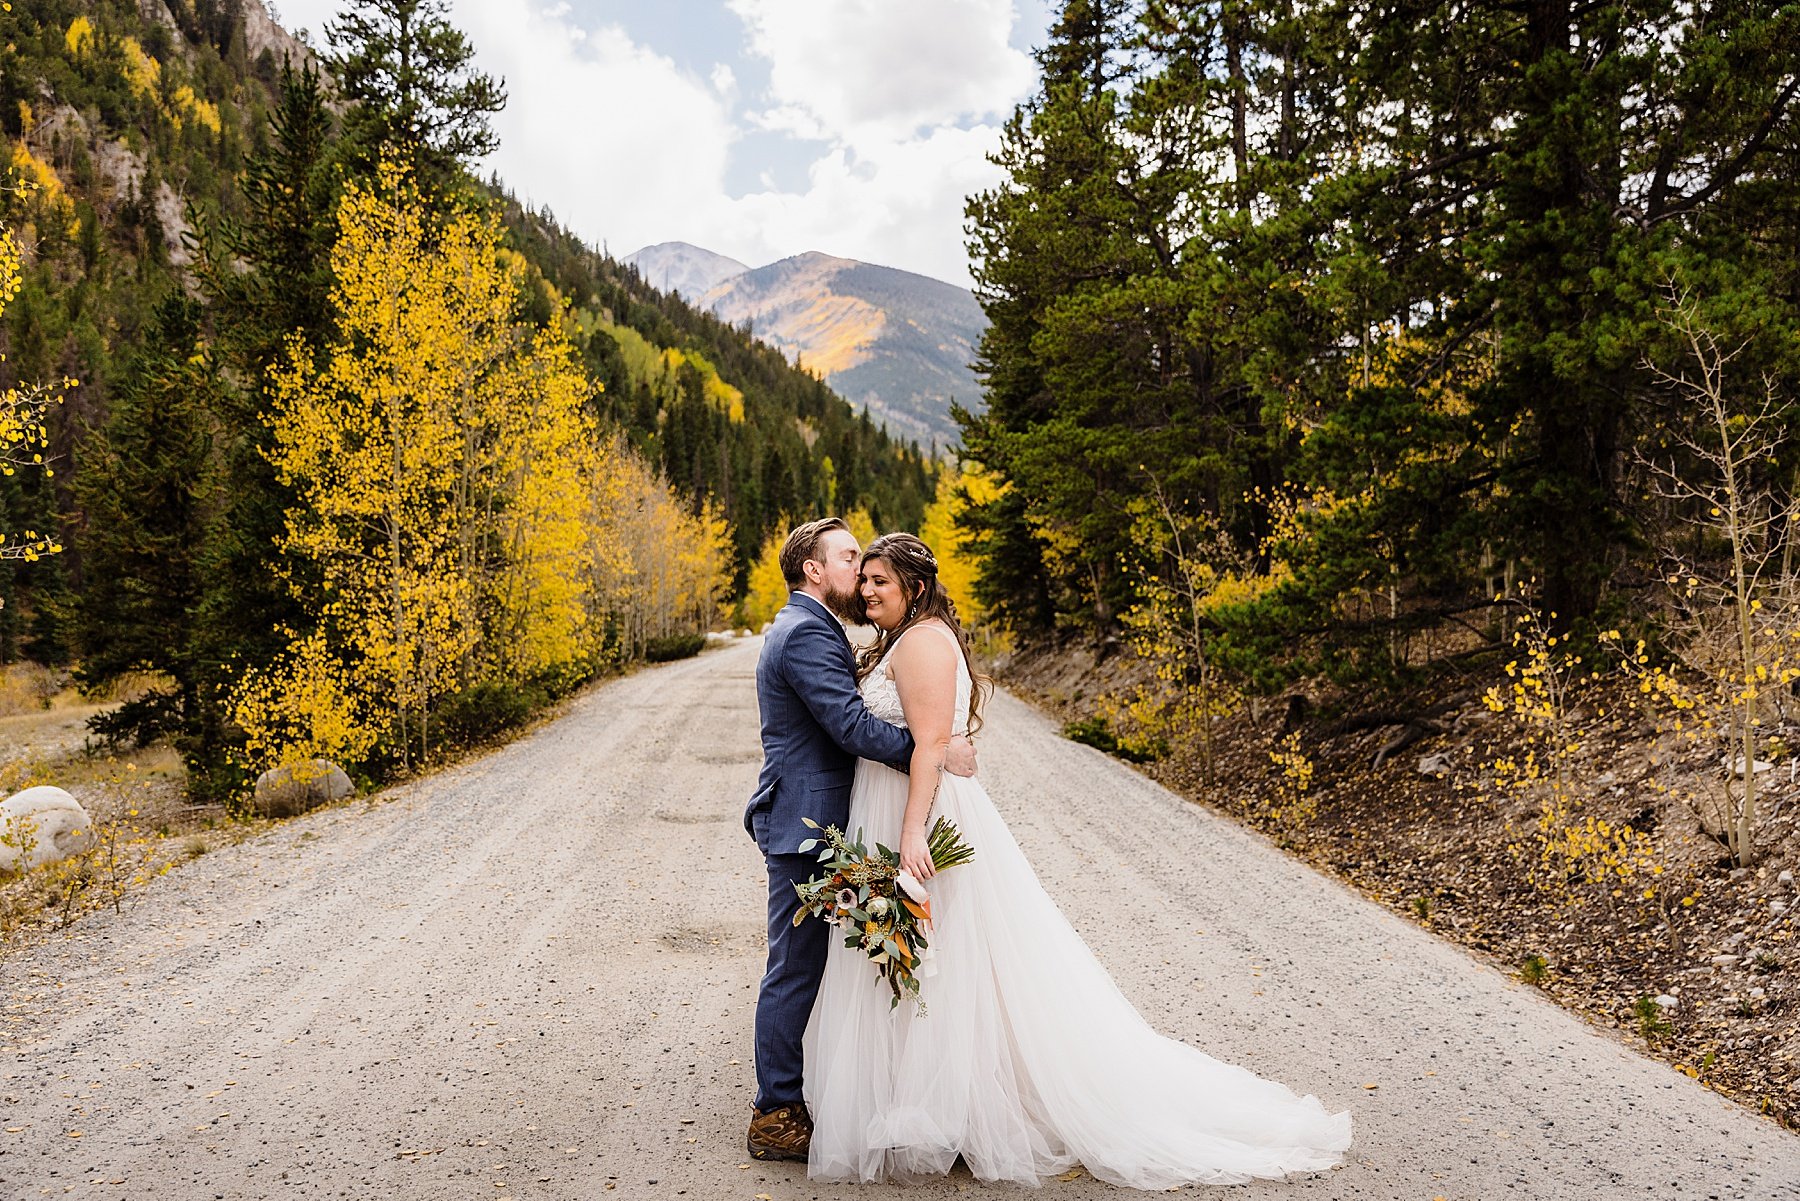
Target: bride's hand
(915, 854)
(959, 758)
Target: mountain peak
(683, 267)
(897, 343)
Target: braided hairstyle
(915, 568)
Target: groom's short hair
(803, 544)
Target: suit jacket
(814, 728)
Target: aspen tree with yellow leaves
(655, 567)
(766, 590)
(433, 449)
(958, 563)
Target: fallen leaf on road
(1072, 1174)
(1371, 1086)
(74, 1134)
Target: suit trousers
(789, 985)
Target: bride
(1027, 1058)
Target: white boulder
(42, 825)
(292, 790)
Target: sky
(755, 128)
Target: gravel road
(532, 976)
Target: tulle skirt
(1029, 1060)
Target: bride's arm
(925, 674)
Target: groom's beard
(848, 606)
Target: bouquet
(887, 910)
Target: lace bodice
(882, 695)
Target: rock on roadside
(295, 789)
(42, 825)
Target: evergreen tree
(146, 492)
(1050, 245)
(406, 71)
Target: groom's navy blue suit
(814, 728)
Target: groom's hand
(959, 758)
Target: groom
(814, 728)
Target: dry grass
(136, 799)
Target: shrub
(1098, 733)
(675, 646)
(486, 710)
(1652, 1023)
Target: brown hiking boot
(784, 1132)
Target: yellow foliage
(39, 176)
(436, 453)
(721, 394)
(862, 526)
(766, 590)
(24, 438)
(307, 705)
(655, 567)
(1292, 806)
(1572, 846)
(203, 111)
(80, 37)
(546, 442)
(957, 564)
(142, 72)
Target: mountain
(679, 267)
(897, 344)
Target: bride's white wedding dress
(1029, 1059)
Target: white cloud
(629, 149)
(616, 139)
(903, 209)
(888, 86)
(878, 71)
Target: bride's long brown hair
(915, 569)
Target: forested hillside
(329, 445)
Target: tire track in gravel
(533, 975)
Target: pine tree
(406, 70)
(147, 492)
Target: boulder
(1735, 767)
(42, 825)
(292, 790)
